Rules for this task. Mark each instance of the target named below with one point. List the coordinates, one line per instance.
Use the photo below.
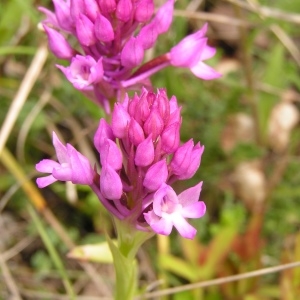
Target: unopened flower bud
(124, 10)
(103, 29)
(91, 9)
(142, 109)
(77, 7)
(107, 6)
(144, 11)
(62, 12)
(148, 36)
(135, 132)
(145, 152)
(156, 175)
(154, 124)
(85, 31)
(163, 17)
(181, 159)
(170, 138)
(120, 121)
(103, 133)
(58, 44)
(194, 162)
(132, 54)
(111, 154)
(110, 183)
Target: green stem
(129, 241)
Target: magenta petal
(120, 121)
(46, 165)
(208, 52)
(45, 181)
(170, 138)
(77, 7)
(111, 154)
(205, 72)
(163, 17)
(132, 53)
(194, 163)
(156, 175)
(91, 9)
(135, 132)
(194, 211)
(173, 104)
(82, 172)
(58, 44)
(103, 29)
(182, 157)
(147, 36)
(144, 11)
(124, 10)
(62, 12)
(60, 149)
(160, 226)
(85, 31)
(163, 226)
(63, 173)
(187, 52)
(110, 183)
(190, 195)
(107, 6)
(96, 70)
(184, 228)
(103, 133)
(50, 17)
(151, 217)
(144, 155)
(83, 71)
(154, 124)
(164, 200)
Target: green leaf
(178, 266)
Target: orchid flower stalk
(141, 158)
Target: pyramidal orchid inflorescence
(113, 36)
(140, 157)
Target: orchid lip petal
(204, 71)
(46, 165)
(45, 181)
(184, 228)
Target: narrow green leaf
(52, 252)
(178, 266)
